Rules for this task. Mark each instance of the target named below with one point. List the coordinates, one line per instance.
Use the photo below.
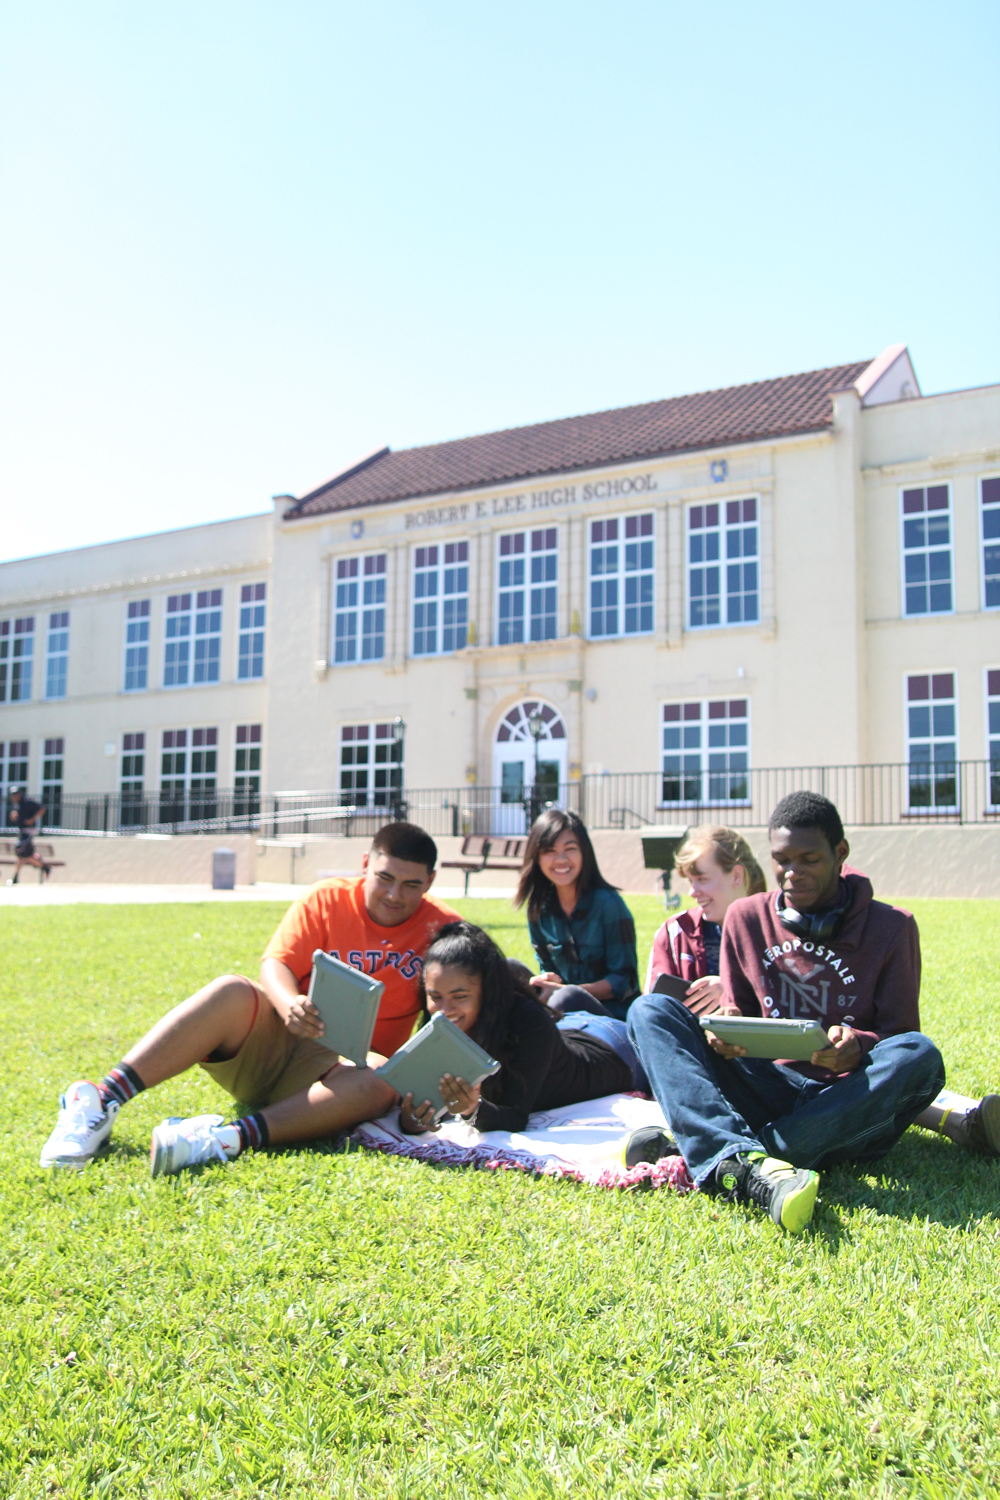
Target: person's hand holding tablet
(844, 1053)
(724, 1049)
(461, 1098)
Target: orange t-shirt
(332, 916)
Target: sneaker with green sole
(787, 1193)
(648, 1144)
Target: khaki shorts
(272, 1064)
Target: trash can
(223, 869)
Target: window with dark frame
(133, 779)
(932, 742)
(706, 751)
(246, 782)
(253, 611)
(57, 654)
(137, 646)
(13, 770)
(188, 774)
(207, 635)
(926, 513)
(52, 781)
(371, 765)
(993, 735)
(989, 490)
(177, 648)
(17, 650)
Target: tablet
(768, 1036)
(437, 1048)
(672, 985)
(348, 1002)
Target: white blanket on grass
(581, 1141)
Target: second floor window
(621, 576)
(706, 751)
(253, 608)
(723, 561)
(57, 655)
(359, 608)
(440, 598)
(177, 651)
(527, 581)
(17, 650)
(926, 517)
(137, 646)
(932, 741)
(207, 635)
(990, 490)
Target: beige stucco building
(803, 572)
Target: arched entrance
(514, 762)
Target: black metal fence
(867, 796)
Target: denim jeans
(615, 1034)
(716, 1107)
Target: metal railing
(866, 796)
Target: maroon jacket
(867, 977)
(678, 948)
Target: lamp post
(396, 803)
(536, 728)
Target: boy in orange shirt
(260, 1040)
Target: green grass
(310, 1324)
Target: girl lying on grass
(542, 1066)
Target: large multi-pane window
(137, 646)
(133, 778)
(371, 765)
(993, 735)
(207, 635)
(932, 741)
(621, 576)
(440, 598)
(706, 751)
(57, 655)
(13, 769)
(188, 770)
(246, 782)
(253, 610)
(990, 495)
(527, 581)
(359, 608)
(52, 781)
(177, 650)
(723, 564)
(926, 521)
(17, 650)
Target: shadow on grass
(924, 1177)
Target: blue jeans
(615, 1034)
(718, 1106)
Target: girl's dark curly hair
(460, 945)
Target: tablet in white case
(437, 1048)
(348, 1002)
(769, 1036)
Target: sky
(242, 245)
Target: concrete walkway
(29, 893)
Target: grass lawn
(310, 1324)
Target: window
(440, 598)
(932, 746)
(621, 576)
(188, 765)
(137, 646)
(253, 608)
(526, 587)
(734, 524)
(993, 736)
(246, 783)
(56, 656)
(359, 609)
(926, 516)
(207, 635)
(706, 751)
(13, 769)
(371, 765)
(17, 649)
(990, 493)
(132, 779)
(52, 781)
(177, 656)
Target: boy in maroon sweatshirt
(821, 948)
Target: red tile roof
(710, 419)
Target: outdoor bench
(45, 853)
(481, 851)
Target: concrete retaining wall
(902, 862)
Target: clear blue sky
(245, 244)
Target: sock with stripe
(121, 1084)
(254, 1134)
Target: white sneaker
(83, 1129)
(178, 1143)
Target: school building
(647, 610)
